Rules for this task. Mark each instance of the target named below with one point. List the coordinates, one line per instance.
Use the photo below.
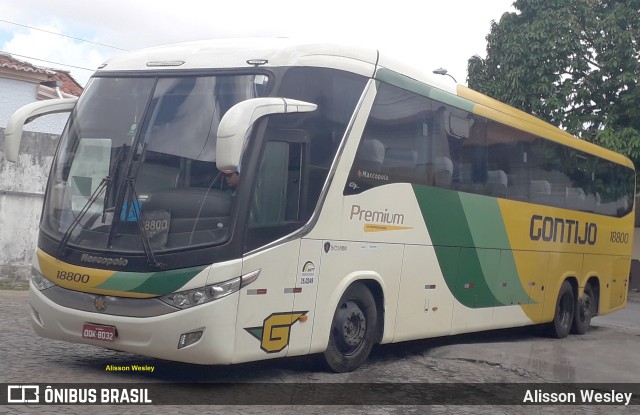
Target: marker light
(164, 63)
(257, 62)
(39, 281)
(197, 296)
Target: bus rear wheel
(585, 309)
(353, 330)
(565, 307)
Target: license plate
(98, 332)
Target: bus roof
(506, 114)
(282, 52)
(275, 52)
(239, 53)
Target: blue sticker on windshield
(131, 213)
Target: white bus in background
(374, 205)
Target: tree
(573, 63)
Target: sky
(430, 34)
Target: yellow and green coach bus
(227, 201)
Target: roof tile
(69, 85)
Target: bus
(226, 201)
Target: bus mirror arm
(239, 119)
(26, 114)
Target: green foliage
(573, 63)
(625, 141)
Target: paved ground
(608, 353)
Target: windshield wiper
(112, 170)
(133, 203)
(77, 219)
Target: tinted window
(299, 149)
(411, 138)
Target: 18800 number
(619, 237)
(156, 225)
(73, 276)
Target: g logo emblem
(275, 331)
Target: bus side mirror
(239, 119)
(26, 114)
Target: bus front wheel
(565, 307)
(352, 330)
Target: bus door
(276, 312)
(265, 308)
(306, 288)
(268, 319)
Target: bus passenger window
(396, 144)
(371, 155)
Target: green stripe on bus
(446, 221)
(485, 220)
(489, 233)
(472, 247)
(420, 88)
(125, 281)
(159, 283)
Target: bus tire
(584, 311)
(563, 318)
(353, 330)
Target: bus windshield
(136, 164)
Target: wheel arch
(378, 294)
(373, 281)
(575, 286)
(594, 282)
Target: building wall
(22, 187)
(14, 94)
(22, 184)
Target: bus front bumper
(156, 336)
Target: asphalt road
(608, 353)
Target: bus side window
(278, 201)
(396, 143)
(468, 152)
(371, 154)
(269, 199)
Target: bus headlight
(39, 281)
(197, 296)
